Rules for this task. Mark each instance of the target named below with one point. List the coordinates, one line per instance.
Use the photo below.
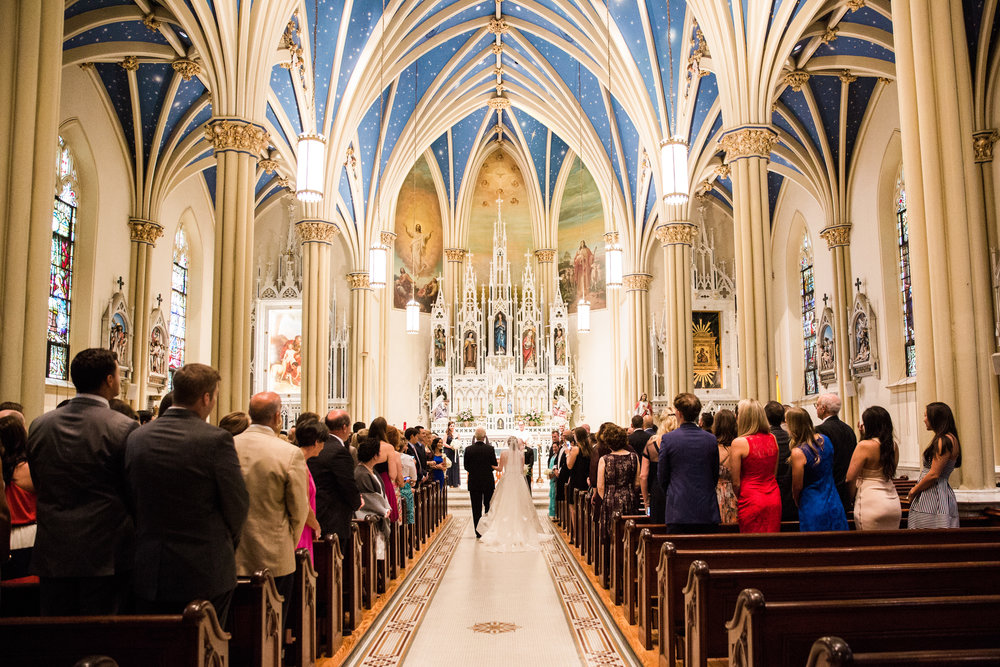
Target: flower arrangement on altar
(465, 416)
(533, 417)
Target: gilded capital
(847, 77)
(151, 22)
(746, 142)
(454, 254)
(268, 165)
(796, 79)
(829, 35)
(545, 255)
(982, 144)
(499, 26)
(130, 63)
(677, 233)
(855, 5)
(723, 171)
(316, 231)
(611, 238)
(498, 49)
(144, 231)
(358, 280)
(186, 68)
(233, 134)
(387, 239)
(837, 235)
(637, 282)
(498, 103)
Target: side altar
(499, 362)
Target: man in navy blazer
(688, 471)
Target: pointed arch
(180, 265)
(807, 292)
(61, 264)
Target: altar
(500, 363)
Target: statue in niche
(469, 348)
(440, 410)
(157, 353)
(559, 345)
(862, 344)
(440, 348)
(500, 334)
(826, 351)
(528, 348)
(118, 340)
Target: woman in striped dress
(932, 501)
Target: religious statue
(826, 353)
(418, 243)
(528, 348)
(500, 334)
(157, 353)
(469, 350)
(440, 348)
(862, 344)
(642, 407)
(583, 266)
(118, 340)
(559, 345)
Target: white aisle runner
(468, 606)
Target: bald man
(277, 481)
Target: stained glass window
(905, 285)
(808, 297)
(178, 301)
(61, 265)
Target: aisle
(465, 605)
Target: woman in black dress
(578, 460)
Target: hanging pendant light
(412, 314)
(309, 179)
(613, 265)
(612, 251)
(583, 316)
(674, 163)
(378, 262)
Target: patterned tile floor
(465, 605)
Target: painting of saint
(418, 252)
(581, 241)
(528, 348)
(284, 357)
(418, 246)
(583, 268)
(440, 348)
(469, 349)
(559, 345)
(500, 334)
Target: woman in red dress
(753, 461)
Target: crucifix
(120, 283)
(826, 299)
(159, 300)
(857, 283)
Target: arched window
(178, 301)
(61, 265)
(905, 286)
(807, 292)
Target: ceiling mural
(419, 246)
(580, 251)
(500, 179)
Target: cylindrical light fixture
(613, 265)
(412, 316)
(583, 316)
(377, 266)
(674, 163)
(311, 154)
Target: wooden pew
(617, 554)
(630, 576)
(20, 599)
(711, 593)
(366, 528)
(834, 652)
(353, 581)
(193, 639)
(781, 634)
(675, 564)
(329, 564)
(392, 551)
(302, 614)
(255, 618)
(583, 507)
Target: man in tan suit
(276, 479)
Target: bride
(512, 522)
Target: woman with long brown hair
(870, 473)
(932, 500)
(813, 489)
(724, 429)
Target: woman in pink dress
(310, 436)
(753, 462)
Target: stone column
(952, 300)
(982, 147)
(546, 279)
(388, 240)
(838, 240)
(144, 234)
(676, 238)
(30, 79)
(238, 143)
(747, 151)
(316, 236)
(359, 391)
(453, 276)
(637, 311)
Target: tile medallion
(494, 627)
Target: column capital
(837, 235)
(144, 231)
(677, 233)
(186, 68)
(358, 280)
(796, 79)
(316, 231)
(237, 134)
(455, 254)
(611, 238)
(748, 141)
(637, 282)
(387, 239)
(982, 144)
(545, 255)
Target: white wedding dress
(512, 522)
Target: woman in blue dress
(813, 488)
(438, 467)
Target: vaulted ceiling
(385, 80)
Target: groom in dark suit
(480, 462)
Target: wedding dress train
(512, 523)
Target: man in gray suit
(190, 501)
(83, 548)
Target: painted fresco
(419, 247)
(581, 241)
(500, 177)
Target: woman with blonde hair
(753, 462)
(652, 494)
